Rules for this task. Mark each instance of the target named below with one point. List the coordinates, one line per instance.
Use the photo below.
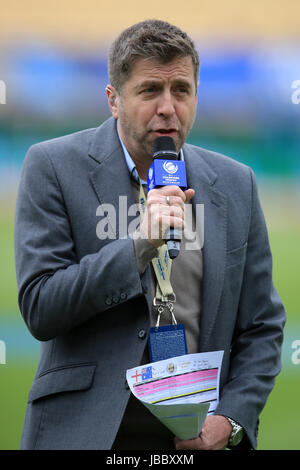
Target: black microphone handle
(173, 238)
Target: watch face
(236, 434)
(236, 439)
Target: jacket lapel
(202, 178)
(111, 182)
(111, 179)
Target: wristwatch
(236, 433)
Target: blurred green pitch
(279, 427)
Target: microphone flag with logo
(167, 170)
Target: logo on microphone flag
(170, 167)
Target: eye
(149, 89)
(181, 90)
(149, 92)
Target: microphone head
(164, 147)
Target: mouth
(168, 132)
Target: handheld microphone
(167, 170)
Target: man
(89, 298)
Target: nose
(165, 105)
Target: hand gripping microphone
(167, 170)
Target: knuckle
(178, 192)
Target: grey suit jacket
(83, 298)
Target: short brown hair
(152, 39)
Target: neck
(142, 169)
(142, 162)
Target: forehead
(152, 69)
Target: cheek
(145, 112)
(137, 114)
(187, 115)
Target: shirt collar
(131, 165)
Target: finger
(189, 193)
(167, 221)
(191, 444)
(171, 191)
(158, 228)
(176, 211)
(180, 200)
(177, 193)
(158, 198)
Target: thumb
(189, 193)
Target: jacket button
(115, 299)
(108, 301)
(123, 296)
(142, 333)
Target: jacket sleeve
(56, 291)
(258, 335)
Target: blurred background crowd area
(53, 75)
(53, 62)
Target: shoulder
(215, 160)
(221, 170)
(62, 147)
(69, 148)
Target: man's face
(157, 99)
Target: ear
(112, 97)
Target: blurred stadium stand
(53, 62)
